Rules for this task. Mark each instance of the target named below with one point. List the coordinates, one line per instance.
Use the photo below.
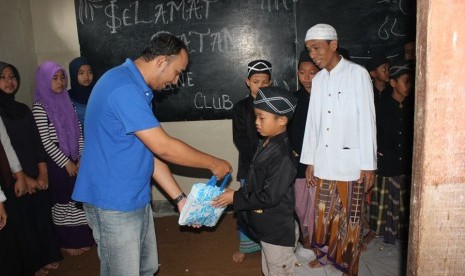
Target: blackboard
(365, 27)
(224, 35)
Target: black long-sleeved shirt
(395, 136)
(296, 128)
(266, 202)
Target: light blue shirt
(116, 166)
(340, 132)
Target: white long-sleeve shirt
(340, 132)
(15, 166)
(2, 196)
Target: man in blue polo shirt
(122, 137)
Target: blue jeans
(127, 244)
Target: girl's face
(8, 81)
(85, 75)
(306, 72)
(58, 82)
(257, 81)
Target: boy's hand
(226, 198)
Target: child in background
(62, 138)
(390, 197)
(266, 202)
(410, 51)
(246, 137)
(82, 82)
(304, 193)
(378, 67)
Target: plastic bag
(198, 209)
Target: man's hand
(311, 179)
(181, 206)
(368, 177)
(220, 168)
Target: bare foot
(73, 251)
(366, 240)
(41, 272)
(50, 266)
(238, 257)
(85, 249)
(315, 264)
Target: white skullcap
(321, 32)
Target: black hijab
(9, 108)
(78, 92)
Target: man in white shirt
(339, 148)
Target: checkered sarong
(389, 208)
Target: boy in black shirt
(266, 202)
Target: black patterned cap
(276, 101)
(375, 62)
(259, 66)
(400, 68)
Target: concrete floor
(379, 260)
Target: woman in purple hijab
(61, 136)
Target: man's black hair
(163, 45)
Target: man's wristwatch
(179, 198)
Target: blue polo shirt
(116, 166)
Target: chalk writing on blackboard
(274, 5)
(86, 9)
(388, 28)
(215, 41)
(202, 101)
(163, 13)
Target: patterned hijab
(78, 92)
(9, 108)
(59, 108)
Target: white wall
(17, 44)
(37, 30)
